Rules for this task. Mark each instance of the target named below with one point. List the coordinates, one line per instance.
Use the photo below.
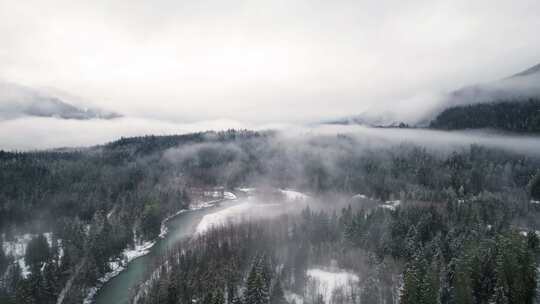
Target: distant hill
(514, 116)
(17, 101)
(515, 94)
(510, 104)
(530, 71)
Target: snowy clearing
(360, 196)
(17, 249)
(326, 282)
(246, 190)
(292, 195)
(392, 205)
(250, 209)
(229, 195)
(291, 296)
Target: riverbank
(141, 249)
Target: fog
(31, 133)
(263, 61)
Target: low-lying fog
(30, 133)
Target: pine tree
(256, 289)
(218, 298)
(430, 285)
(534, 187)
(277, 296)
(411, 293)
(37, 253)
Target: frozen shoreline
(128, 255)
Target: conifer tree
(256, 289)
(277, 296)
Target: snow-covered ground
(16, 248)
(140, 249)
(291, 296)
(292, 195)
(392, 205)
(246, 190)
(327, 281)
(225, 216)
(362, 196)
(229, 195)
(251, 208)
(118, 265)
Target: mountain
(17, 101)
(521, 117)
(530, 71)
(520, 87)
(510, 104)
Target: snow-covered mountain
(17, 101)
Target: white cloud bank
(263, 61)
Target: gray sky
(263, 61)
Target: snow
(164, 230)
(535, 202)
(222, 217)
(250, 209)
(330, 280)
(17, 249)
(291, 296)
(229, 195)
(246, 190)
(292, 195)
(118, 265)
(362, 196)
(140, 249)
(392, 205)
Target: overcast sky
(263, 60)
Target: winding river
(119, 289)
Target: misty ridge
(35, 113)
(17, 101)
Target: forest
(464, 231)
(522, 116)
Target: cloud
(263, 61)
(29, 133)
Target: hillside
(506, 115)
(17, 101)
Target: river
(119, 289)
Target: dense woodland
(455, 238)
(514, 116)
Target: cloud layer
(263, 61)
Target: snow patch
(392, 205)
(250, 208)
(17, 249)
(291, 296)
(246, 190)
(360, 196)
(164, 230)
(327, 281)
(140, 249)
(222, 217)
(292, 195)
(118, 265)
(229, 195)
